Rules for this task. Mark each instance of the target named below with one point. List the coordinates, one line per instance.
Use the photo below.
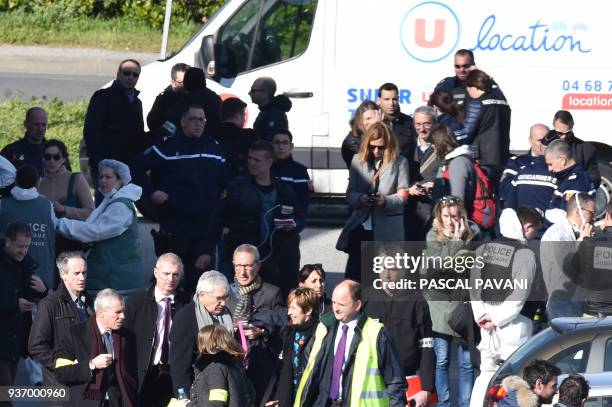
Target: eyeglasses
(246, 267)
(380, 148)
(464, 66)
(55, 157)
(590, 212)
(133, 74)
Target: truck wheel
(604, 193)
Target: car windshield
(519, 357)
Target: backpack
(482, 209)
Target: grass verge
(121, 33)
(65, 122)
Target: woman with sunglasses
(377, 191)
(297, 339)
(67, 190)
(366, 114)
(112, 229)
(313, 276)
(449, 237)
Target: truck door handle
(298, 95)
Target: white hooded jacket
(106, 221)
(512, 328)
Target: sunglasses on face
(133, 74)
(55, 157)
(464, 66)
(451, 201)
(372, 148)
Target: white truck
(330, 55)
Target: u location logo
(430, 31)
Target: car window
(574, 359)
(605, 401)
(281, 28)
(608, 356)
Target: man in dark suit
(250, 295)
(67, 306)
(207, 308)
(97, 360)
(149, 315)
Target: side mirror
(207, 54)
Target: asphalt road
(67, 88)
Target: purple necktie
(165, 343)
(334, 390)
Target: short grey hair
(170, 258)
(428, 111)
(64, 257)
(557, 148)
(249, 248)
(210, 280)
(103, 297)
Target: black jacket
(241, 210)
(316, 392)
(272, 117)
(23, 152)
(296, 175)
(350, 147)
(77, 346)
(141, 319)
(493, 138)
(183, 347)
(114, 127)
(56, 314)
(403, 128)
(409, 323)
(161, 110)
(14, 284)
(220, 372)
(235, 143)
(585, 154)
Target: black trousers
(353, 265)
(156, 390)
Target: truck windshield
(264, 32)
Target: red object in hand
(414, 386)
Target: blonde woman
(377, 191)
(449, 236)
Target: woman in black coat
(219, 377)
(297, 342)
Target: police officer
(285, 168)
(572, 178)
(464, 63)
(186, 183)
(594, 263)
(507, 190)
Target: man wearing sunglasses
(583, 152)
(114, 127)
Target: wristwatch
(91, 365)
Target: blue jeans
(442, 348)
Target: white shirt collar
(159, 297)
(102, 330)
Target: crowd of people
(230, 317)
